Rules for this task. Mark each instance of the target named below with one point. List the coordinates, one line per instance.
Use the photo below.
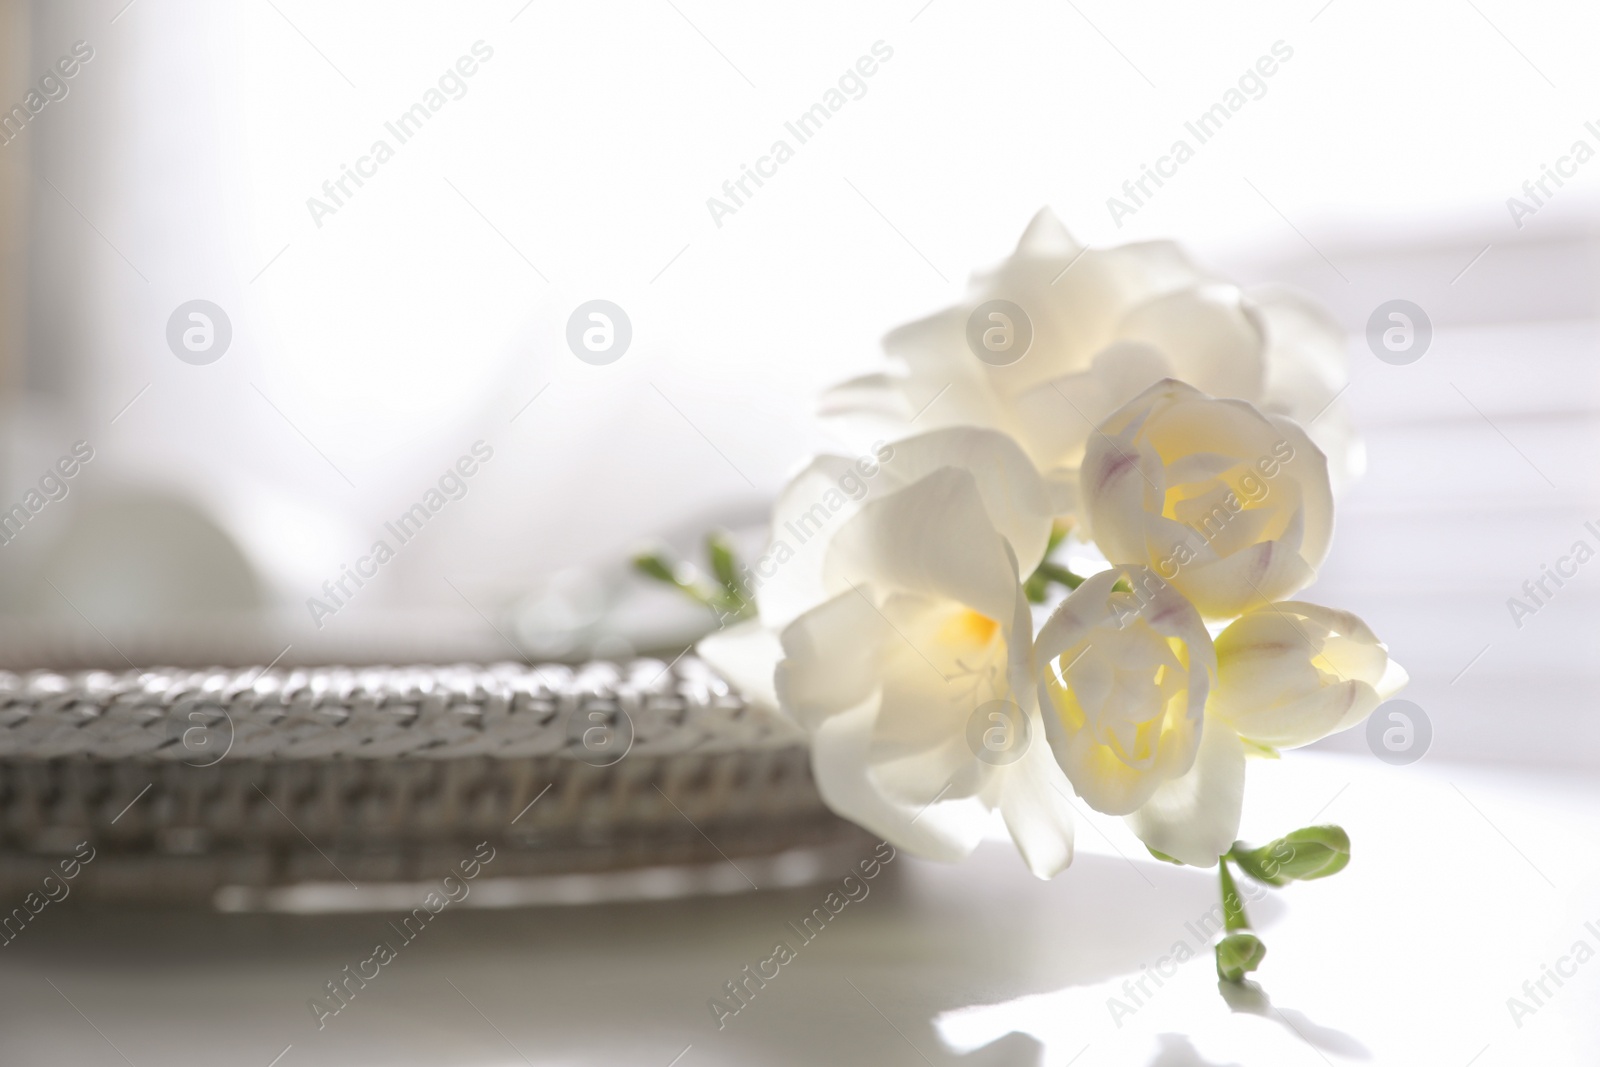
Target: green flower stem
(719, 599)
(1057, 573)
(1233, 916)
(1240, 951)
(1047, 574)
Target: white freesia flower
(788, 578)
(1231, 506)
(1293, 673)
(925, 645)
(1124, 676)
(1105, 324)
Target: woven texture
(188, 781)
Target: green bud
(724, 563)
(655, 565)
(1238, 954)
(1304, 855)
(683, 578)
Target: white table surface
(1465, 882)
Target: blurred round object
(557, 618)
(135, 559)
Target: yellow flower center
(967, 628)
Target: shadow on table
(701, 979)
(1250, 998)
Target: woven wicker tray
(189, 782)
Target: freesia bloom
(1124, 677)
(788, 578)
(926, 646)
(1231, 506)
(1101, 325)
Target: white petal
(1056, 418)
(880, 392)
(1307, 360)
(1120, 484)
(1012, 494)
(932, 539)
(830, 490)
(1307, 366)
(1250, 578)
(920, 735)
(934, 353)
(1074, 303)
(1393, 680)
(832, 659)
(1061, 489)
(1195, 818)
(1309, 469)
(803, 523)
(1047, 238)
(1207, 335)
(1334, 433)
(832, 681)
(937, 829)
(746, 655)
(1035, 804)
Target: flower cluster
(1183, 434)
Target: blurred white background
(429, 310)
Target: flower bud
(1292, 673)
(1313, 852)
(1238, 954)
